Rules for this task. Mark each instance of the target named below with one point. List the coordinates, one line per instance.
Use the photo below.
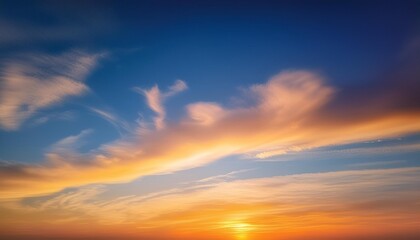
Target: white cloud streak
(112, 118)
(70, 143)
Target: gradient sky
(230, 120)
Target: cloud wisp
(39, 81)
(155, 99)
(315, 203)
(288, 112)
(119, 124)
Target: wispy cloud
(155, 99)
(39, 81)
(314, 202)
(113, 119)
(223, 177)
(66, 116)
(70, 143)
(271, 154)
(290, 111)
(376, 164)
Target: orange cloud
(288, 113)
(303, 206)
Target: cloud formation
(70, 143)
(40, 81)
(64, 116)
(155, 99)
(290, 112)
(112, 118)
(313, 203)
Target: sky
(210, 120)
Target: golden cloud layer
(291, 112)
(303, 206)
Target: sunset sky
(210, 120)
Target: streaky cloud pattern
(38, 81)
(294, 206)
(280, 112)
(209, 120)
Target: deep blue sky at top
(215, 46)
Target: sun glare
(239, 229)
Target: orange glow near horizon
(289, 207)
(209, 120)
(240, 229)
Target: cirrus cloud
(288, 113)
(315, 203)
(39, 81)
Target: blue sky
(216, 47)
(122, 99)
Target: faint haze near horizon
(230, 120)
